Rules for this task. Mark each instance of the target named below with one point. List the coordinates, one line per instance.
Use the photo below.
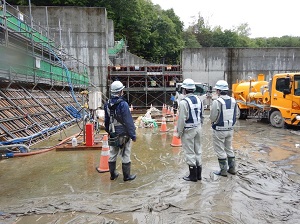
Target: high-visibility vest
(195, 111)
(227, 116)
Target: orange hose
(20, 154)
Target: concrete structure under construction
(83, 33)
(40, 82)
(49, 55)
(87, 34)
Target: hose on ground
(11, 154)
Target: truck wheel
(276, 119)
(238, 113)
(241, 114)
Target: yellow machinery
(278, 100)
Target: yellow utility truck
(278, 100)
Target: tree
(190, 39)
(243, 30)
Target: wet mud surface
(64, 186)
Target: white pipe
(15, 145)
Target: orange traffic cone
(164, 109)
(168, 110)
(172, 111)
(103, 166)
(163, 127)
(176, 141)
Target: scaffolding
(37, 81)
(147, 85)
(29, 54)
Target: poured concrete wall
(204, 64)
(128, 59)
(84, 35)
(211, 64)
(111, 33)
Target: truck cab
(285, 99)
(277, 100)
(202, 91)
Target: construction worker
(223, 118)
(178, 97)
(189, 129)
(121, 129)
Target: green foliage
(190, 39)
(50, 2)
(207, 36)
(285, 41)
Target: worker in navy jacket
(121, 129)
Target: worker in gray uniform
(223, 118)
(189, 129)
(120, 126)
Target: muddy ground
(64, 186)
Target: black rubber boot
(126, 172)
(223, 167)
(199, 171)
(112, 169)
(193, 174)
(231, 165)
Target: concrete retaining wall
(84, 35)
(208, 65)
(128, 59)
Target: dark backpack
(113, 139)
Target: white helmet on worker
(222, 85)
(116, 87)
(188, 84)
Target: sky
(266, 18)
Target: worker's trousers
(191, 145)
(124, 150)
(222, 143)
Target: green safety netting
(119, 46)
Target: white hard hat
(116, 87)
(188, 84)
(221, 85)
